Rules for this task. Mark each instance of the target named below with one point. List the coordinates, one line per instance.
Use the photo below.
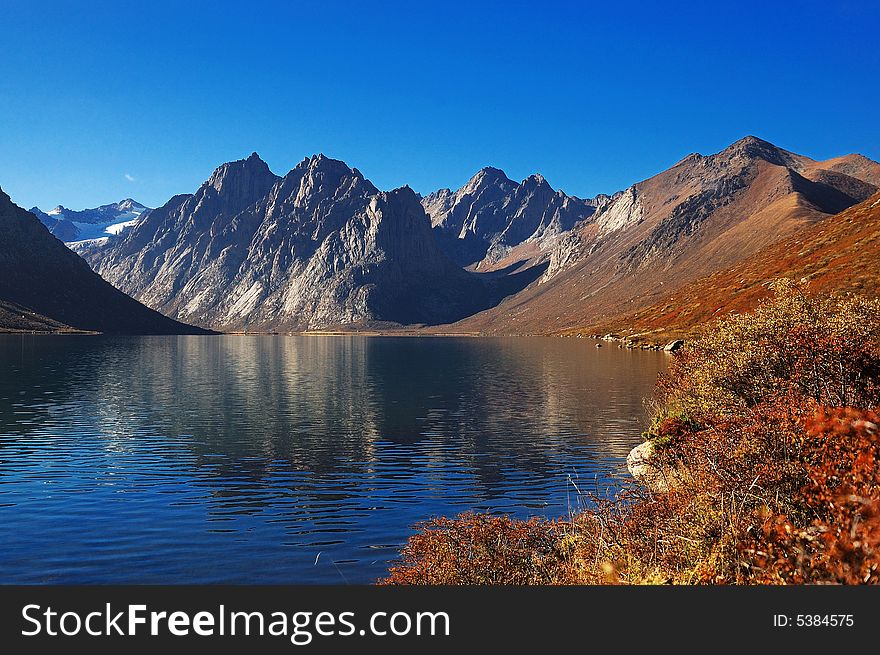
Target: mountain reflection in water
(275, 459)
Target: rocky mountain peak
(242, 182)
(317, 178)
(860, 158)
(486, 177)
(535, 181)
(129, 204)
(750, 140)
(251, 165)
(408, 195)
(753, 148)
(485, 220)
(322, 164)
(491, 172)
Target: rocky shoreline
(630, 344)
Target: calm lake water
(264, 459)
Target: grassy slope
(840, 253)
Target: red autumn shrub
(765, 482)
(482, 549)
(842, 543)
(819, 347)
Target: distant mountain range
(702, 215)
(318, 248)
(90, 224)
(44, 286)
(322, 248)
(493, 221)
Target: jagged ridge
(317, 248)
(483, 222)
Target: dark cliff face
(490, 215)
(45, 285)
(320, 247)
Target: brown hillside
(839, 254)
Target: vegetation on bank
(768, 428)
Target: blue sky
(100, 101)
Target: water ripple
(291, 459)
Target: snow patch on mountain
(91, 226)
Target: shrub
(765, 421)
(821, 347)
(482, 549)
(842, 543)
(667, 429)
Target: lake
(292, 459)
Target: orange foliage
(770, 462)
(481, 549)
(842, 544)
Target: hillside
(840, 253)
(45, 287)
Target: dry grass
(765, 423)
(838, 253)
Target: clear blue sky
(593, 95)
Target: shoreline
(622, 343)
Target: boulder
(641, 465)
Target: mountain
(320, 247)
(99, 223)
(46, 287)
(702, 215)
(836, 254)
(492, 221)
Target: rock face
(484, 221)
(319, 248)
(46, 287)
(99, 223)
(701, 215)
